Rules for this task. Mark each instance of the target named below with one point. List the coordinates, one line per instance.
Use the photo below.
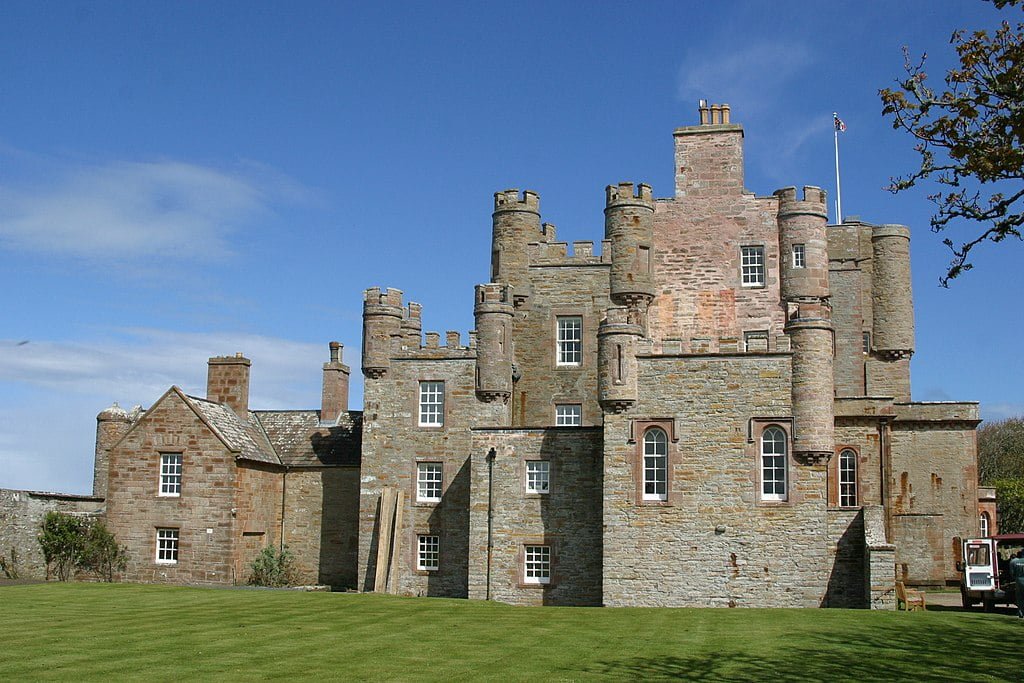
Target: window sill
(655, 503)
(524, 584)
(166, 563)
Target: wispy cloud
(749, 79)
(129, 210)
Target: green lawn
(118, 631)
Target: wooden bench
(909, 599)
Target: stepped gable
(299, 439)
(245, 438)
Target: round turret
(616, 360)
(493, 312)
(382, 322)
(629, 227)
(892, 303)
(516, 223)
(811, 338)
(803, 244)
(111, 424)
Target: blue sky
(181, 180)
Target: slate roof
(247, 438)
(300, 441)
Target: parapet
(624, 194)
(812, 203)
(494, 292)
(511, 200)
(375, 297)
(890, 230)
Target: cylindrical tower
(803, 244)
(382, 321)
(493, 312)
(616, 360)
(516, 224)
(111, 425)
(813, 392)
(629, 226)
(892, 304)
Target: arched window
(983, 523)
(848, 478)
(655, 464)
(773, 464)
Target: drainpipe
(284, 492)
(490, 517)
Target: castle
(713, 411)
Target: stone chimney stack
(227, 382)
(335, 394)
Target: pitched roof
(300, 441)
(246, 438)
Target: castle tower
(616, 360)
(709, 157)
(412, 326)
(493, 313)
(382, 323)
(227, 382)
(805, 292)
(335, 390)
(111, 425)
(629, 227)
(516, 224)
(892, 306)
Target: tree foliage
(1010, 505)
(1001, 450)
(273, 568)
(71, 544)
(968, 136)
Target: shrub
(101, 554)
(273, 568)
(9, 564)
(73, 544)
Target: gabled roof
(300, 440)
(247, 439)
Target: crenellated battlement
(557, 254)
(624, 194)
(494, 292)
(512, 200)
(373, 296)
(812, 202)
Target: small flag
(838, 122)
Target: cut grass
(125, 631)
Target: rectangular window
(431, 404)
(170, 474)
(799, 256)
(429, 553)
(537, 564)
(167, 546)
(570, 340)
(752, 266)
(773, 464)
(568, 415)
(848, 478)
(538, 476)
(428, 482)
(655, 464)
(866, 342)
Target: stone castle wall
(321, 516)
(21, 518)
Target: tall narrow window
(568, 415)
(799, 256)
(570, 340)
(431, 404)
(618, 363)
(866, 342)
(170, 474)
(773, 464)
(428, 553)
(537, 564)
(983, 525)
(752, 266)
(655, 465)
(848, 478)
(167, 546)
(538, 476)
(428, 482)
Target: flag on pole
(838, 122)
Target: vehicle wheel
(965, 600)
(989, 604)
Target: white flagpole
(839, 191)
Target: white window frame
(655, 464)
(431, 403)
(799, 256)
(170, 475)
(537, 564)
(847, 469)
(167, 539)
(569, 336)
(429, 482)
(774, 454)
(538, 476)
(428, 552)
(568, 414)
(752, 265)
(984, 524)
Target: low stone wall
(880, 560)
(21, 515)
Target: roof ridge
(270, 442)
